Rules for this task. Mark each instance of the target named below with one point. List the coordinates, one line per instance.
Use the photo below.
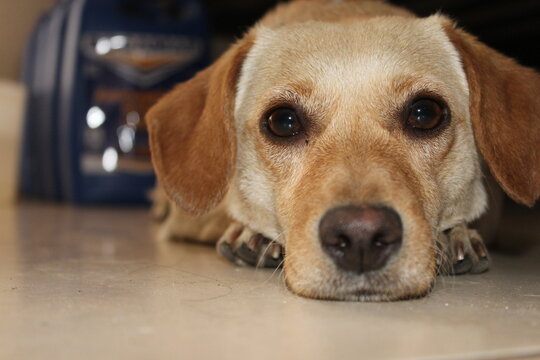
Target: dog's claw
(246, 255)
(459, 252)
(463, 252)
(479, 248)
(243, 247)
(225, 250)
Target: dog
(352, 142)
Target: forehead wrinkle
(383, 43)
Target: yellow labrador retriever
(353, 139)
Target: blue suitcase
(93, 68)
(40, 175)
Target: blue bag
(93, 68)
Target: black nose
(361, 238)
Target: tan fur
(191, 128)
(505, 112)
(351, 66)
(177, 224)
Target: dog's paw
(244, 247)
(463, 251)
(160, 205)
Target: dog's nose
(361, 238)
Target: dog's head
(365, 135)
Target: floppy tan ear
(192, 135)
(505, 114)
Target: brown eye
(425, 114)
(284, 122)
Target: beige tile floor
(93, 284)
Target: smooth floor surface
(94, 284)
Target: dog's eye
(425, 114)
(284, 122)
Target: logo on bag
(142, 59)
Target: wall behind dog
(17, 19)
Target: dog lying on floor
(353, 139)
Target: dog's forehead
(351, 57)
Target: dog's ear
(505, 114)
(192, 135)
